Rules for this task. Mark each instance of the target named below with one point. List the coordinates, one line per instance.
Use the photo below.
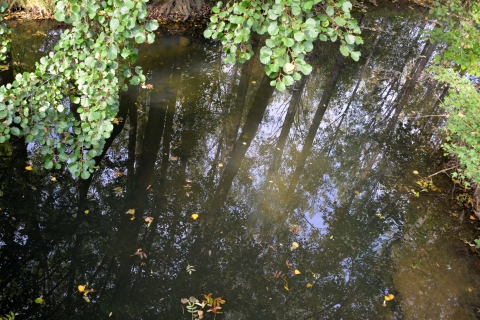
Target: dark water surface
(328, 166)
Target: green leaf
(330, 11)
(288, 80)
(85, 175)
(355, 55)
(140, 38)
(340, 21)
(280, 86)
(350, 39)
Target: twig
(434, 174)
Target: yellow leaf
(288, 67)
(194, 216)
(294, 246)
(415, 172)
(86, 211)
(53, 179)
(297, 272)
(110, 314)
(357, 192)
(389, 297)
(309, 285)
(29, 168)
(220, 165)
(286, 287)
(131, 211)
(81, 288)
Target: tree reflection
(357, 141)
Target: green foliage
(463, 126)
(68, 103)
(4, 32)
(458, 27)
(8, 316)
(291, 27)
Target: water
(262, 173)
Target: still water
(295, 205)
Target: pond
(314, 203)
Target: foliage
(68, 104)
(193, 305)
(459, 30)
(8, 316)
(291, 27)
(4, 32)
(38, 8)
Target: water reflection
(327, 165)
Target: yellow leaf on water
(415, 172)
(286, 287)
(389, 297)
(296, 271)
(309, 285)
(357, 192)
(294, 246)
(81, 288)
(53, 179)
(110, 314)
(29, 168)
(86, 211)
(194, 216)
(130, 211)
(220, 165)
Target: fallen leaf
(174, 158)
(220, 165)
(39, 300)
(86, 298)
(29, 168)
(86, 211)
(81, 288)
(53, 179)
(357, 192)
(294, 246)
(309, 285)
(415, 172)
(149, 186)
(389, 297)
(130, 211)
(149, 220)
(472, 217)
(295, 271)
(194, 216)
(184, 300)
(461, 115)
(110, 314)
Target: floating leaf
(389, 297)
(415, 172)
(357, 192)
(53, 179)
(86, 211)
(81, 288)
(294, 246)
(110, 314)
(39, 300)
(130, 211)
(86, 298)
(296, 271)
(309, 285)
(149, 221)
(194, 216)
(220, 165)
(174, 158)
(29, 168)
